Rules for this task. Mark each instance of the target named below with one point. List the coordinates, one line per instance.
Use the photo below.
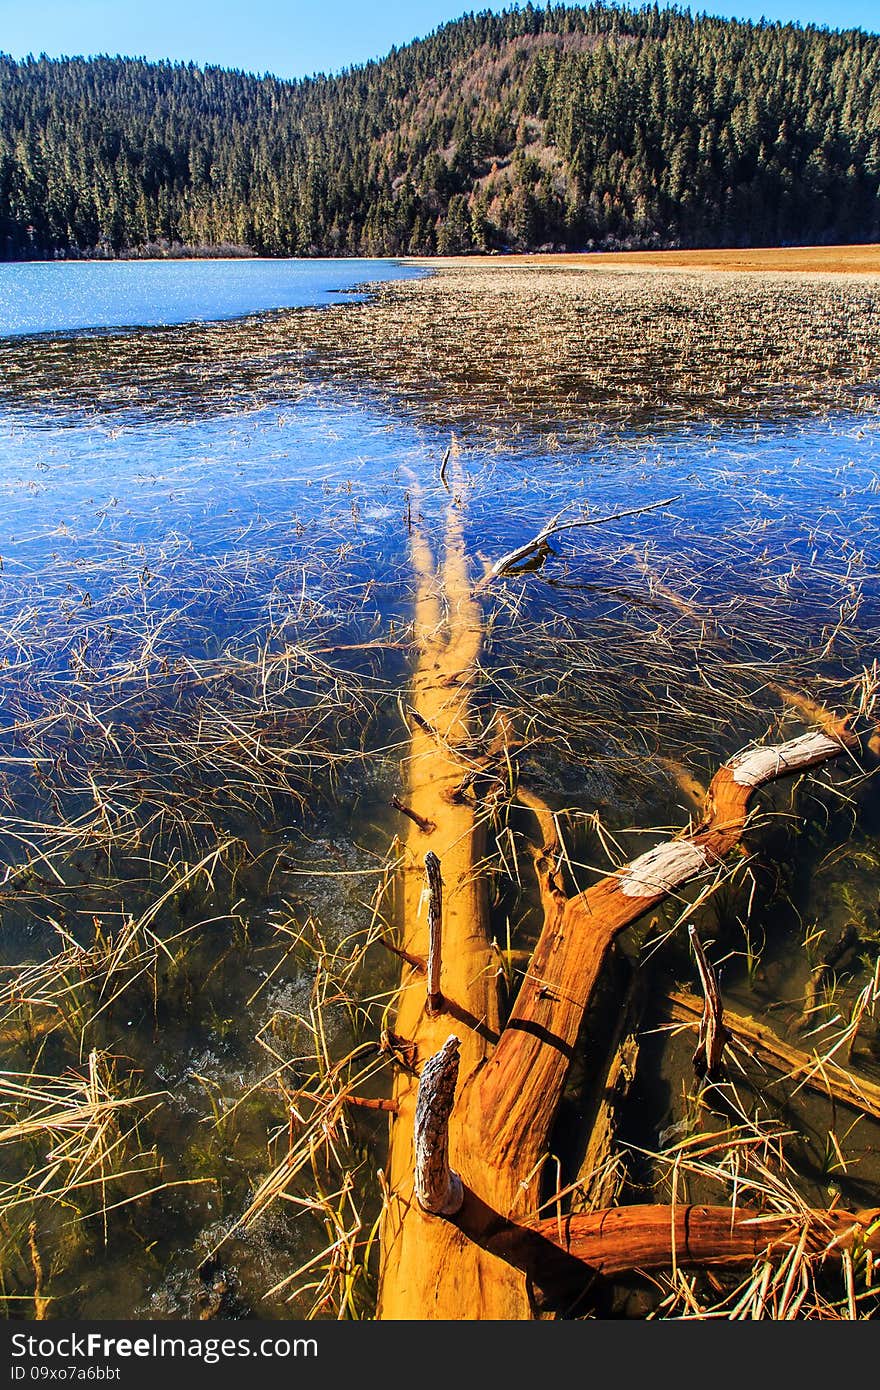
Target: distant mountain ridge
(563, 128)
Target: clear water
(221, 581)
(67, 296)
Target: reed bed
(70, 1144)
(512, 348)
(173, 722)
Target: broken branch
(821, 1074)
(438, 1189)
(533, 553)
(521, 1083)
(654, 1236)
(712, 1035)
(426, 826)
(435, 925)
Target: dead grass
(497, 346)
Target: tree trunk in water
(429, 1269)
(472, 1265)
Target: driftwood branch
(443, 467)
(653, 1237)
(435, 928)
(426, 826)
(438, 1189)
(373, 1103)
(417, 962)
(573, 1250)
(533, 553)
(519, 1088)
(713, 1035)
(820, 1074)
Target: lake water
(64, 296)
(205, 599)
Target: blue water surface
(60, 296)
(206, 599)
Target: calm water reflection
(66, 296)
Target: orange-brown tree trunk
(511, 1077)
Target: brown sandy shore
(833, 260)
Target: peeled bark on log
(808, 1069)
(562, 1257)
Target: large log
(563, 1256)
(429, 1269)
(519, 1089)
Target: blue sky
(296, 37)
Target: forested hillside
(564, 127)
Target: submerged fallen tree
(456, 1241)
(807, 1069)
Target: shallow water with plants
(206, 643)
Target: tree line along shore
(565, 128)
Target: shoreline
(811, 260)
(514, 349)
(861, 258)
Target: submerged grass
(204, 712)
